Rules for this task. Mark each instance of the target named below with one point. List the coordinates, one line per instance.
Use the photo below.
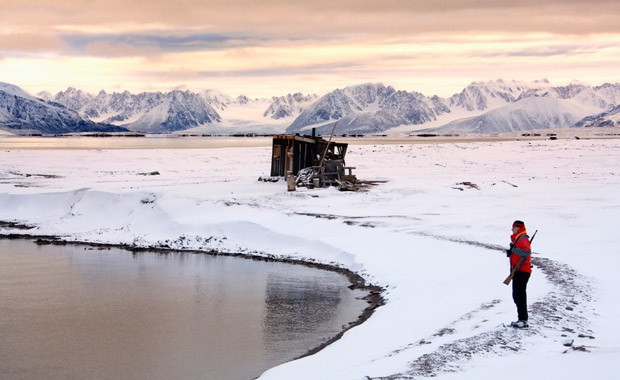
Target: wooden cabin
(291, 153)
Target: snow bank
(430, 237)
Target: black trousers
(519, 293)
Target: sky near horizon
(274, 47)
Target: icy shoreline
(420, 235)
(373, 297)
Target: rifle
(521, 260)
(327, 146)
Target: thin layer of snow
(14, 90)
(426, 235)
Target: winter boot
(519, 324)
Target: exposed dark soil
(16, 226)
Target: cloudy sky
(274, 47)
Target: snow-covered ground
(433, 242)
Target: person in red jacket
(520, 248)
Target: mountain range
(482, 107)
(25, 114)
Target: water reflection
(71, 313)
(295, 312)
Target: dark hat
(518, 223)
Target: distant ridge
(22, 113)
(481, 107)
(157, 112)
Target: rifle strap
(515, 242)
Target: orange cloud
(319, 17)
(24, 42)
(308, 46)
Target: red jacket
(521, 246)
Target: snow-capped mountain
(289, 105)
(253, 115)
(540, 107)
(151, 112)
(216, 99)
(377, 108)
(23, 113)
(367, 108)
(482, 107)
(481, 96)
(173, 111)
(605, 119)
(527, 114)
(157, 112)
(76, 100)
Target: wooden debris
(513, 185)
(467, 184)
(269, 179)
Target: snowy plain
(431, 235)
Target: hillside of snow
(527, 114)
(606, 119)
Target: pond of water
(77, 312)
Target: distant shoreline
(203, 141)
